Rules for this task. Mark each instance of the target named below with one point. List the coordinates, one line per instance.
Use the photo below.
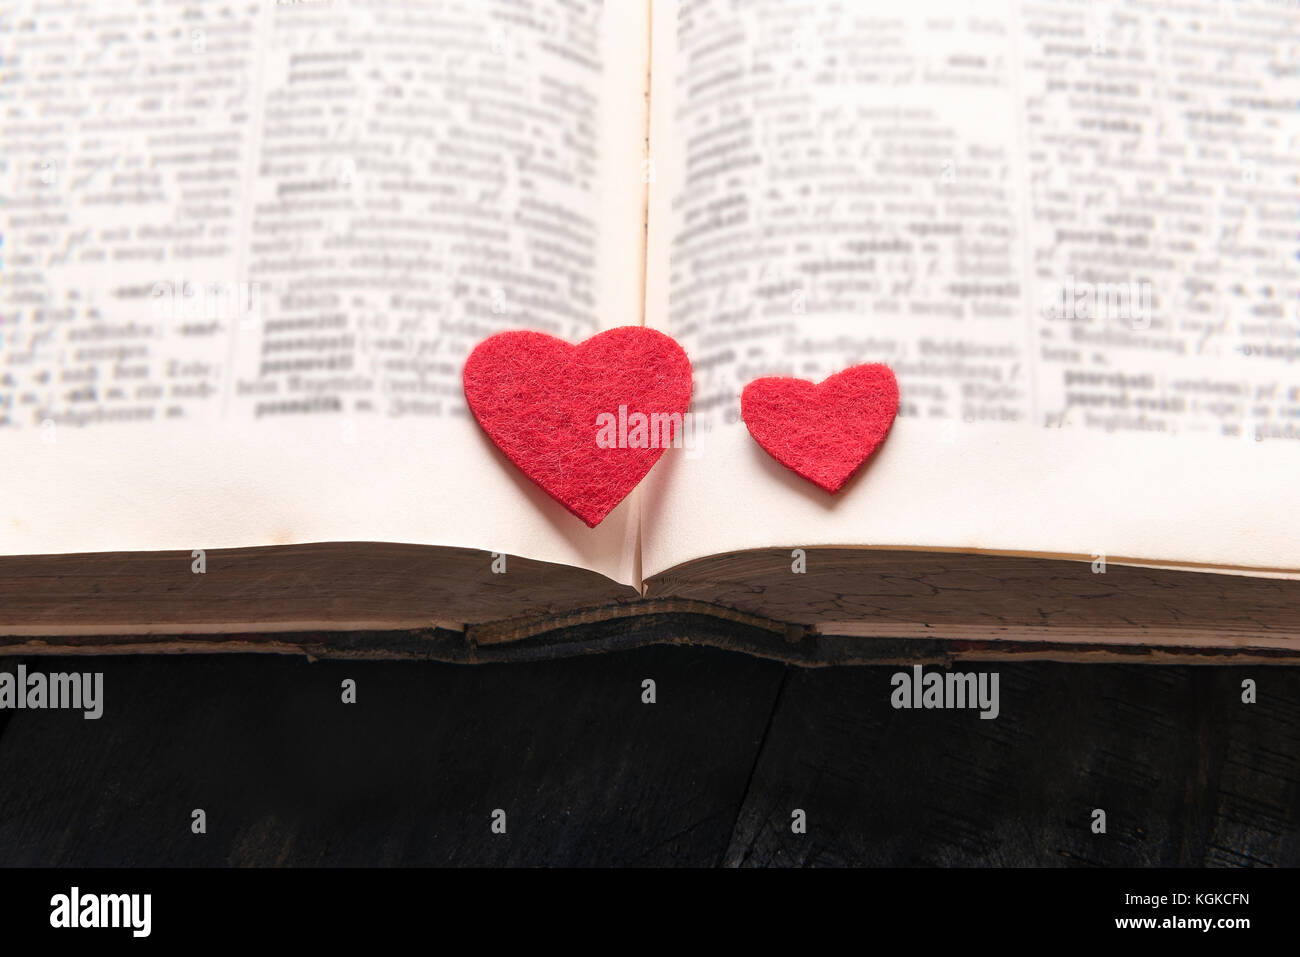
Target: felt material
(554, 409)
(823, 432)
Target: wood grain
(595, 631)
(353, 600)
(905, 594)
(409, 775)
(328, 585)
(1186, 773)
(708, 775)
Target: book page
(247, 247)
(1070, 230)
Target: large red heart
(823, 432)
(568, 415)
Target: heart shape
(823, 432)
(567, 414)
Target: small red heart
(544, 402)
(823, 432)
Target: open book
(248, 246)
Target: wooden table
(588, 774)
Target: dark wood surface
(588, 774)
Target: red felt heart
(823, 432)
(554, 409)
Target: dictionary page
(1069, 228)
(247, 247)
